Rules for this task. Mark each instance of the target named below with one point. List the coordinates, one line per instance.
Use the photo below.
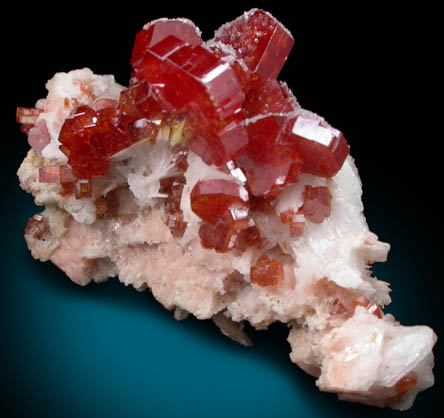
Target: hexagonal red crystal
(223, 206)
(157, 30)
(89, 138)
(190, 79)
(210, 199)
(317, 203)
(267, 272)
(259, 40)
(269, 165)
(323, 148)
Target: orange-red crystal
(267, 272)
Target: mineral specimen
(205, 181)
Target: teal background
(106, 350)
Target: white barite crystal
(355, 354)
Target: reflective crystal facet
(154, 32)
(259, 40)
(267, 272)
(323, 148)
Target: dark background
(107, 351)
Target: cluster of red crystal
(235, 115)
(223, 207)
(188, 79)
(316, 208)
(172, 187)
(89, 138)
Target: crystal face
(267, 272)
(259, 40)
(154, 32)
(189, 79)
(323, 149)
(223, 206)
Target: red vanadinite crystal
(36, 226)
(210, 199)
(268, 165)
(223, 206)
(267, 272)
(296, 221)
(89, 138)
(317, 203)
(140, 112)
(157, 30)
(323, 148)
(259, 40)
(191, 80)
(269, 97)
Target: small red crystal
(172, 187)
(323, 148)
(211, 199)
(223, 235)
(317, 203)
(35, 227)
(365, 303)
(139, 109)
(267, 272)
(259, 40)
(176, 224)
(223, 206)
(249, 237)
(83, 188)
(403, 385)
(296, 221)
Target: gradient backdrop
(108, 351)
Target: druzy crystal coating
(224, 99)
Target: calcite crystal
(205, 181)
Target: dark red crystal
(140, 111)
(268, 164)
(157, 30)
(270, 96)
(191, 80)
(89, 138)
(322, 148)
(259, 40)
(223, 206)
(210, 199)
(223, 235)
